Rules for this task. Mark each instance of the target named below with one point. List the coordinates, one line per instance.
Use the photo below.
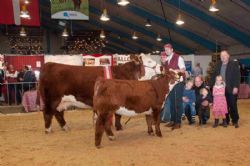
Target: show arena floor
(23, 142)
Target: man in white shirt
(173, 107)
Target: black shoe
(236, 125)
(170, 124)
(204, 122)
(216, 122)
(224, 123)
(191, 122)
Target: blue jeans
(192, 108)
(165, 114)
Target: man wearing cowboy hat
(173, 107)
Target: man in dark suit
(230, 72)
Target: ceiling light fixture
(23, 32)
(26, 2)
(65, 33)
(104, 16)
(179, 20)
(102, 34)
(148, 23)
(24, 13)
(213, 7)
(134, 36)
(159, 38)
(123, 2)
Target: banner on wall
(120, 59)
(70, 9)
(75, 60)
(188, 65)
(97, 60)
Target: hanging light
(148, 23)
(26, 2)
(213, 7)
(104, 16)
(65, 33)
(179, 20)
(134, 36)
(102, 34)
(23, 32)
(24, 13)
(159, 38)
(123, 2)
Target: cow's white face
(151, 67)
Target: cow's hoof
(48, 131)
(99, 146)
(111, 138)
(151, 133)
(66, 128)
(118, 128)
(159, 134)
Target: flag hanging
(10, 11)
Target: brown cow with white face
(62, 86)
(129, 97)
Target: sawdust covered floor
(23, 142)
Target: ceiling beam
(144, 31)
(247, 2)
(165, 23)
(215, 23)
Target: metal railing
(11, 93)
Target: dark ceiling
(203, 31)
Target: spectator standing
(230, 72)
(11, 77)
(197, 70)
(174, 99)
(29, 79)
(219, 102)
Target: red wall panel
(18, 61)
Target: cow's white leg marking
(48, 130)
(65, 128)
(111, 138)
(95, 116)
(126, 112)
(69, 101)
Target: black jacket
(232, 75)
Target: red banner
(10, 12)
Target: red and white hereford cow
(152, 68)
(130, 98)
(62, 86)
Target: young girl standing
(219, 101)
